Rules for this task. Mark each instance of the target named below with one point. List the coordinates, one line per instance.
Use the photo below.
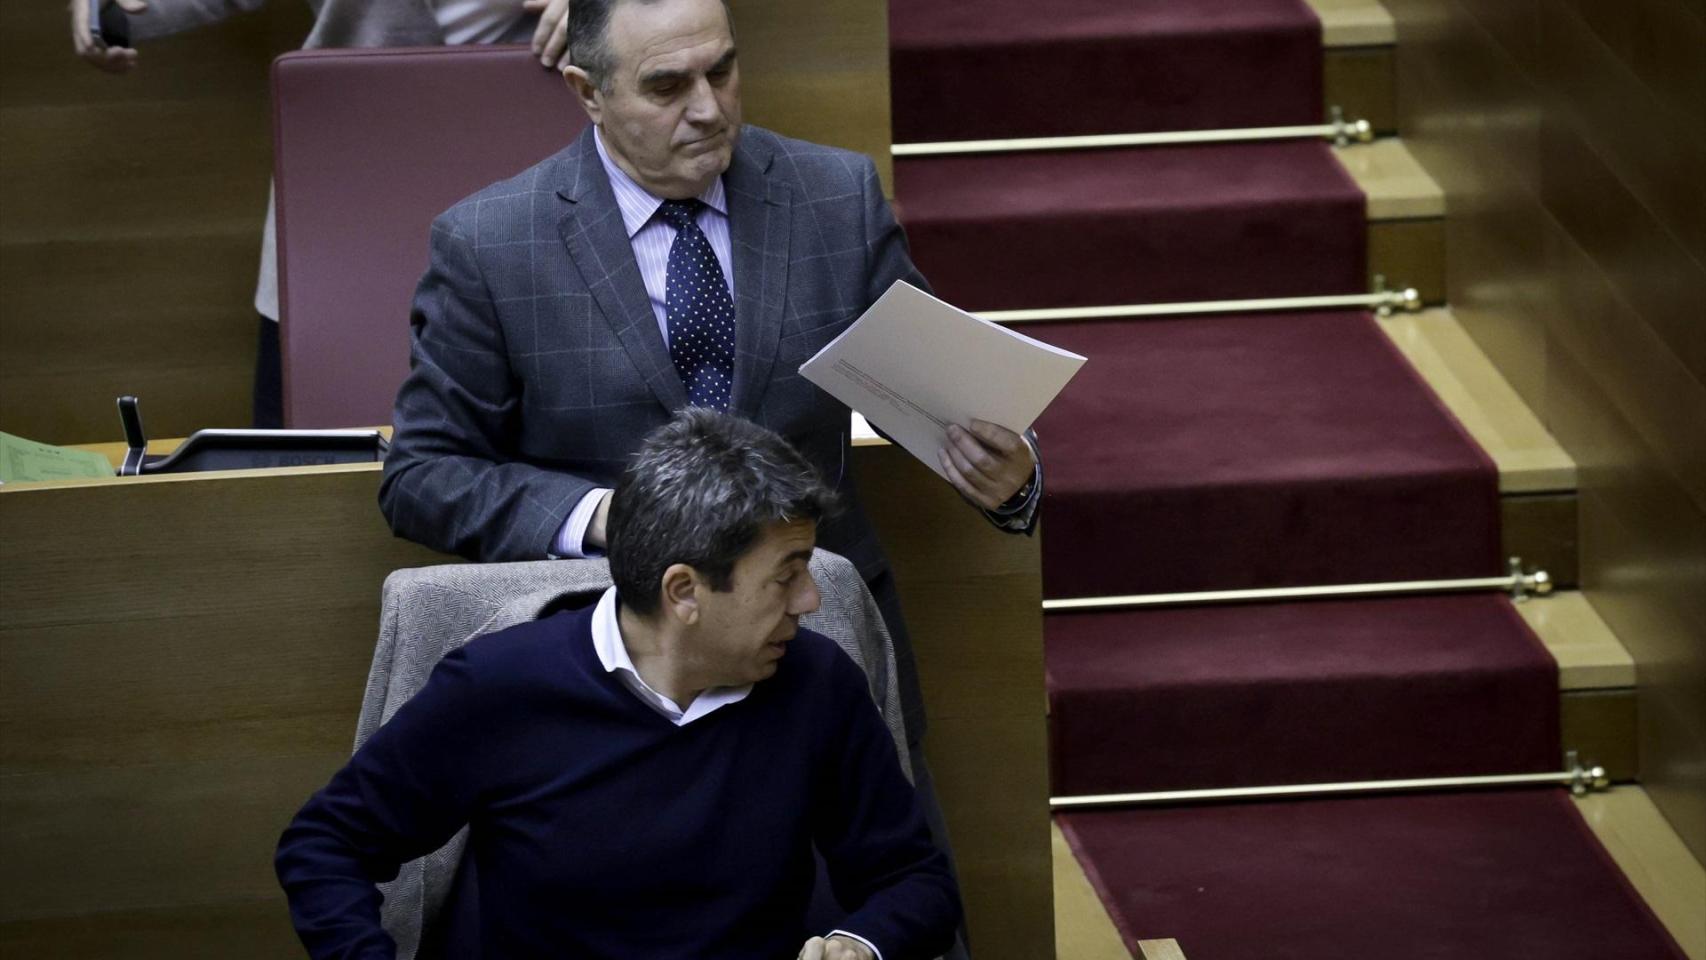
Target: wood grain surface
(1568, 141)
(973, 601)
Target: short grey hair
(701, 491)
(589, 37)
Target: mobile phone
(108, 24)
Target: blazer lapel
(759, 217)
(597, 240)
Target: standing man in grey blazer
(669, 255)
(337, 23)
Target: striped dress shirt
(650, 237)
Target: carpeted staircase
(1228, 451)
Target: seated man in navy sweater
(646, 777)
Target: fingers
(835, 948)
(965, 485)
(79, 27)
(110, 59)
(542, 29)
(557, 46)
(998, 437)
(987, 466)
(975, 462)
(551, 36)
(80, 39)
(840, 948)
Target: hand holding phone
(100, 32)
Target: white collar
(613, 654)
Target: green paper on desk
(25, 461)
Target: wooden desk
(182, 660)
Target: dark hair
(589, 41)
(700, 491)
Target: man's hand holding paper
(988, 463)
(956, 391)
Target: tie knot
(679, 213)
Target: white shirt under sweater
(613, 654)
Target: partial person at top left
(337, 23)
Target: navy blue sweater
(601, 830)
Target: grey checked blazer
(537, 366)
(428, 612)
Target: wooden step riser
(1541, 529)
(1600, 726)
(1410, 253)
(1362, 82)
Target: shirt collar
(638, 206)
(613, 655)
(607, 635)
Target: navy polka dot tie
(699, 312)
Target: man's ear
(584, 90)
(681, 588)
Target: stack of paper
(913, 364)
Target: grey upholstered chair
(429, 611)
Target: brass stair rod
(1518, 583)
(1339, 130)
(1384, 301)
(1581, 780)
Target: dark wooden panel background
(1570, 139)
(130, 213)
(131, 206)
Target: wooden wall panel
(181, 661)
(819, 71)
(1359, 81)
(131, 229)
(242, 928)
(1541, 529)
(1636, 104)
(1409, 253)
(1637, 251)
(960, 586)
(1600, 725)
(1472, 120)
(1569, 142)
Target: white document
(913, 364)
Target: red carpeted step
(1507, 874)
(1324, 691)
(974, 69)
(1095, 227)
(1227, 452)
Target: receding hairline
(613, 9)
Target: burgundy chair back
(369, 146)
